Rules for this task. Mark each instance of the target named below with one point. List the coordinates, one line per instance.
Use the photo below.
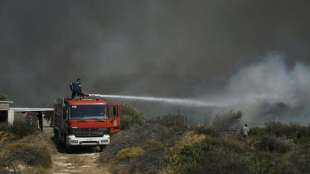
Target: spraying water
(176, 101)
(264, 91)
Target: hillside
(156, 147)
(166, 145)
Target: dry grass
(32, 151)
(189, 138)
(6, 137)
(153, 144)
(127, 153)
(159, 147)
(269, 150)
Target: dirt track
(79, 161)
(64, 163)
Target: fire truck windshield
(88, 112)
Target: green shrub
(23, 128)
(33, 151)
(289, 130)
(258, 131)
(300, 158)
(219, 155)
(4, 127)
(32, 155)
(300, 134)
(205, 158)
(3, 97)
(175, 121)
(153, 145)
(131, 152)
(188, 159)
(257, 162)
(273, 144)
(6, 137)
(295, 162)
(206, 130)
(130, 117)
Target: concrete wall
(11, 114)
(4, 106)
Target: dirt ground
(64, 163)
(78, 161)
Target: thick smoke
(271, 91)
(167, 48)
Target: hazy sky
(168, 48)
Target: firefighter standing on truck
(76, 88)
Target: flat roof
(5, 105)
(32, 109)
(9, 102)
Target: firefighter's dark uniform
(76, 89)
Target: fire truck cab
(85, 122)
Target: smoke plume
(166, 48)
(271, 91)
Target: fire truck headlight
(74, 141)
(104, 141)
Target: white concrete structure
(8, 112)
(32, 109)
(5, 111)
(11, 116)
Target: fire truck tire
(67, 147)
(101, 148)
(65, 141)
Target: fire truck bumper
(88, 141)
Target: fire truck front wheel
(102, 147)
(56, 137)
(67, 146)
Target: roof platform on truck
(86, 101)
(81, 101)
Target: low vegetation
(127, 153)
(142, 148)
(167, 146)
(3, 97)
(23, 149)
(20, 128)
(270, 150)
(130, 117)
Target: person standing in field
(245, 130)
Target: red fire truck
(85, 122)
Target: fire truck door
(112, 111)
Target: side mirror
(65, 113)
